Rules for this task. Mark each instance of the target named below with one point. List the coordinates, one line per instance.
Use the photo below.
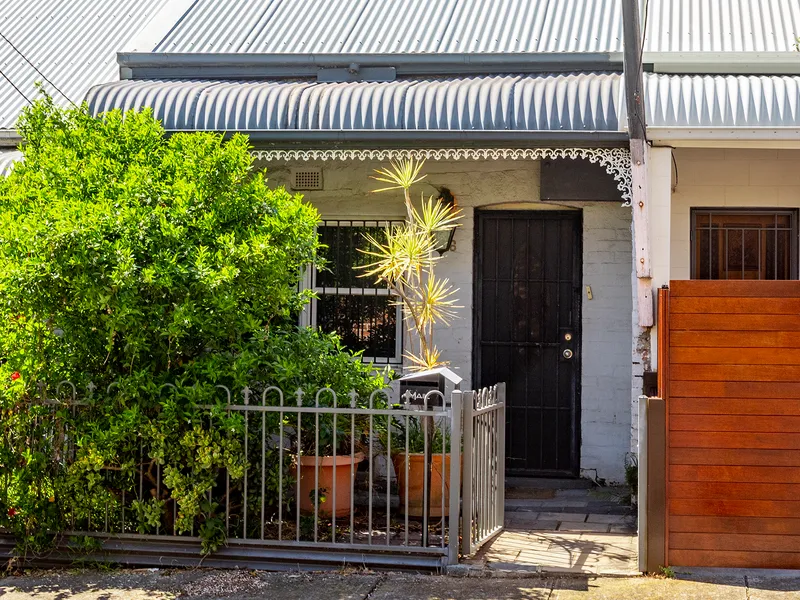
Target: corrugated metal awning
(580, 102)
(720, 101)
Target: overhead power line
(19, 91)
(33, 66)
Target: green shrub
(124, 252)
(134, 260)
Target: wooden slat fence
(730, 375)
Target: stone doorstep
(562, 517)
(592, 527)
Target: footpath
(208, 584)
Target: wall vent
(307, 179)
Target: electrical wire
(639, 71)
(644, 34)
(25, 58)
(19, 91)
(675, 164)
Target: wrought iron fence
(376, 481)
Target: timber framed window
(368, 318)
(749, 244)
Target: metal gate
(483, 496)
(729, 375)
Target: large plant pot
(345, 477)
(416, 484)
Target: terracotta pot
(344, 483)
(416, 484)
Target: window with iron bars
(747, 244)
(366, 316)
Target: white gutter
(745, 137)
(724, 63)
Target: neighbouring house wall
(727, 177)
(606, 352)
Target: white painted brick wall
(606, 352)
(606, 392)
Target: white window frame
(308, 317)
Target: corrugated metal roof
(549, 102)
(73, 42)
(7, 160)
(478, 26)
(722, 25)
(397, 26)
(717, 101)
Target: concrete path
(553, 531)
(247, 585)
(534, 552)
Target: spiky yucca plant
(405, 261)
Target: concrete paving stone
(447, 588)
(582, 494)
(198, 584)
(596, 527)
(542, 526)
(548, 483)
(761, 584)
(526, 509)
(563, 505)
(567, 552)
(644, 588)
(609, 519)
(522, 503)
(772, 589)
(624, 529)
(522, 521)
(139, 584)
(607, 508)
(572, 517)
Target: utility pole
(634, 92)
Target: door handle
(568, 354)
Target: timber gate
(729, 373)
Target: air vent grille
(307, 179)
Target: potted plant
(409, 467)
(323, 445)
(321, 466)
(405, 261)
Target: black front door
(527, 332)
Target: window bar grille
(768, 244)
(363, 319)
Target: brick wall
(607, 330)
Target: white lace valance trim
(617, 161)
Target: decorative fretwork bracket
(617, 161)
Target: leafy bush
(127, 253)
(161, 267)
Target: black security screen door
(527, 332)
